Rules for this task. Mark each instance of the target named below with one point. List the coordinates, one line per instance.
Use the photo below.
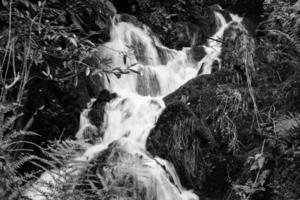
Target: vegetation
(238, 128)
(42, 42)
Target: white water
(130, 117)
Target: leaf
(118, 75)
(4, 3)
(263, 176)
(257, 156)
(43, 72)
(260, 162)
(65, 64)
(88, 71)
(76, 81)
(132, 65)
(254, 166)
(107, 77)
(246, 189)
(73, 41)
(91, 43)
(124, 59)
(134, 71)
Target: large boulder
(183, 139)
(198, 133)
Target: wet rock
(91, 119)
(96, 114)
(197, 53)
(124, 17)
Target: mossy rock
(183, 139)
(200, 93)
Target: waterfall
(139, 102)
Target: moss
(183, 139)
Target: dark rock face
(96, 115)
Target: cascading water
(132, 114)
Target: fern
(11, 182)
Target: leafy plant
(11, 182)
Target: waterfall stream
(132, 114)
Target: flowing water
(132, 114)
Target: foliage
(280, 46)
(46, 40)
(11, 182)
(275, 89)
(49, 39)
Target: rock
(196, 53)
(201, 92)
(125, 171)
(91, 120)
(124, 17)
(96, 114)
(221, 108)
(238, 51)
(183, 139)
(180, 137)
